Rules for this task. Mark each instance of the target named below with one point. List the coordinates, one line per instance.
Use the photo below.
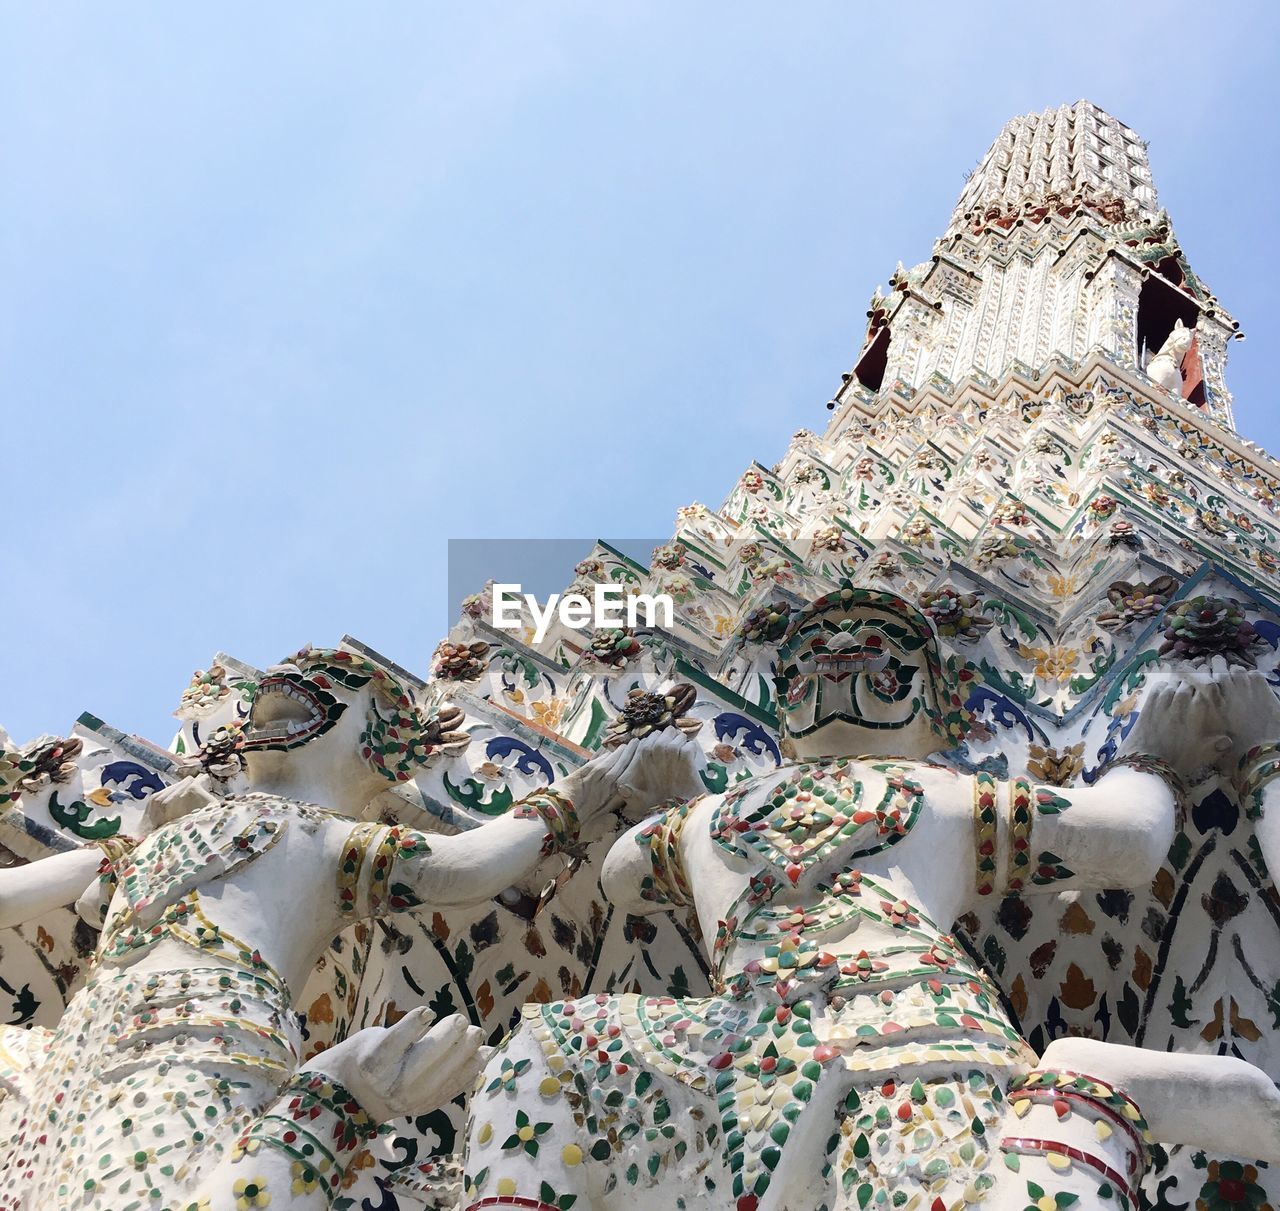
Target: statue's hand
(663, 766)
(408, 1068)
(1181, 721)
(180, 799)
(1249, 711)
(637, 776)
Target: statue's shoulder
(198, 848)
(215, 820)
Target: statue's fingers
(405, 1032)
(421, 1021)
(1255, 685)
(441, 1073)
(452, 1031)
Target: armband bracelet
(1020, 821)
(116, 847)
(984, 831)
(1259, 766)
(556, 812)
(351, 864)
(1148, 764)
(385, 894)
(667, 881)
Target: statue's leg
(1215, 1102)
(299, 1152)
(524, 1146)
(1068, 1139)
(1081, 1123)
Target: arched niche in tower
(1162, 302)
(870, 367)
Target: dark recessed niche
(871, 365)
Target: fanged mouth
(283, 712)
(838, 665)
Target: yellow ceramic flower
(251, 1192)
(548, 713)
(305, 1178)
(243, 1147)
(1053, 664)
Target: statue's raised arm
(467, 868)
(52, 880)
(1117, 831)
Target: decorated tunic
(167, 1055)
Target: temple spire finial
(1066, 151)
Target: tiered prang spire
(1056, 255)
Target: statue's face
(1179, 340)
(854, 678)
(337, 701)
(292, 708)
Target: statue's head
(351, 720)
(1179, 341)
(859, 673)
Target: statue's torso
(829, 855)
(851, 1034)
(185, 1028)
(808, 814)
(170, 889)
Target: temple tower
(1057, 250)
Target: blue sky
(290, 295)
